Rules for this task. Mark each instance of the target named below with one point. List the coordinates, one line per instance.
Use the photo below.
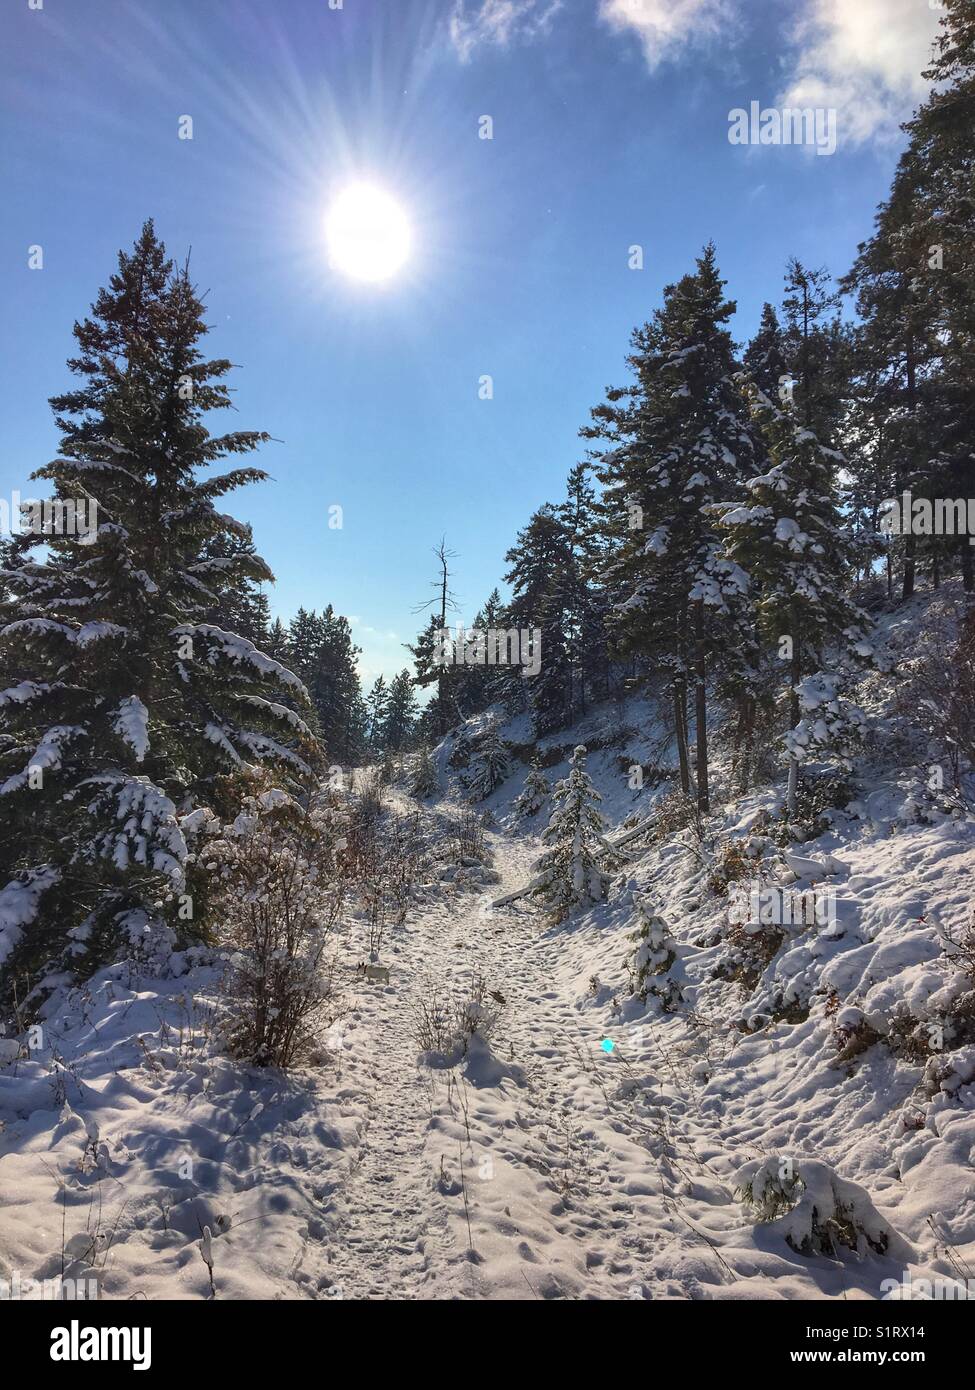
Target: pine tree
(243, 607)
(789, 539)
(539, 560)
(533, 795)
(132, 704)
(325, 657)
(816, 347)
(679, 441)
(278, 645)
(655, 954)
(897, 362)
(425, 781)
(570, 874)
(915, 286)
(377, 707)
(401, 714)
(493, 764)
(765, 357)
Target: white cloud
(498, 22)
(665, 26)
(863, 57)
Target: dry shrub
(277, 893)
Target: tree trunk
(680, 728)
(701, 712)
(910, 548)
(790, 800)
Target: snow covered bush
(570, 874)
(655, 953)
(277, 893)
(424, 781)
(831, 726)
(493, 763)
(533, 795)
(446, 1017)
(815, 1210)
(943, 691)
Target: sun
(368, 233)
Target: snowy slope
(591, 1146)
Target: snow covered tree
(655, 953)
(377, 705)
(401, 713)
(129, 706)
(493, 764)
(424, 781)
(679, 441)
(243, 608)
(790, 540)
(570, 874)
(915, 285)
(277, 645)
(539, 559)
(816, 345)
(324, 656)
(765, 357)
(534, 793)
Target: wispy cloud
(863, 57)
(498, 23)
(665, 27)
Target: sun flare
(368, 233)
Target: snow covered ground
(588, 1148)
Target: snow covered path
(543, 1164)
(570, 1190)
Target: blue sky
(610, 129)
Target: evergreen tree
(534, 793)
(325, 656)
(493, 764)
(425, 781)
(242, 608)
(539, 561)
(401, 714)
(277, 644)
(915, 286)
(377, 709)
(679, 441)
(655, 954)
(765, 357)
(570, 874)
(816, 349)
(897, 361)
(789, 539)
(132, 704)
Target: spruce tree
(424, 781)
(572, 873)
(131, 704)
(679, 441)
(401, 713)
(493, 764)
(377, 706)
(790, 540)
(534, 793)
